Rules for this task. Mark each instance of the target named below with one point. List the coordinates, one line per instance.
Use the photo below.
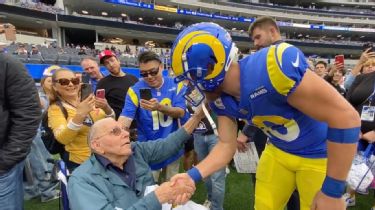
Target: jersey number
(159, 119)
(272, 125)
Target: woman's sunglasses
(152, 72)
(65, 82)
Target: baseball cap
(104, 54)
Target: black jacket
(20, 112)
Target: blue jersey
(267, 78)
(154, 125)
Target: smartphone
(100, 93)
(145, 93)
(85, 77)
(339, 59)
(367, 46)
(86, 90)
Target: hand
(242, 142)
(151, 105)
(324, 202)
(168, 192)
(365, 56)
(199, 113)
(183, 179)
(103, 104)
(86, 106)
(369, 136)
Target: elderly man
(118, 172)
(90, 66)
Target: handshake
(177, 191)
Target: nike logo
(296, 63)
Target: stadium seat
(75, 59)
(123, 61)
(63, 59)
(36, 58)
(22, 58)
(50, 58)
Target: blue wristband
(343, 136)
(195, 174)
(333, 187)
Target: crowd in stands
(37, 5)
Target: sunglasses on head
(64, 81)
(152, 72)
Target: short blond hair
(261, 22)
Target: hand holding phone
(100, 93)
(339, 59)
(86, 90)
(145, 93)
(85, 77)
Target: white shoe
(227, 171)
(207, 204)
(349, 200)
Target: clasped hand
(177, 191)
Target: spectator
(96, 184)
(45, 44)
(360, 95)
(72, 131)
(91, 67)
(116, 84)
(335, 77)
(321, 69)
(159, 115)
(19, 120)
(358, 68)
(21, 50)
(34, 50)
(41, 183)
(82, 51)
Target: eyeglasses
(116, 131)
(65, 82)
(153, 72)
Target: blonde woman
(72, 131)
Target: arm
(63, 132)
(130, 108)
(161, 149)
(175, 112)
(24, 113)
(125, 121)
(326, 105)
(225, 148)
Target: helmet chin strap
(233, 54)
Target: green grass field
(238, 196)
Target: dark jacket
(20, 112)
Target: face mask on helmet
(202, 53)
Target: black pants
(69, 164)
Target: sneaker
(349, 199)
(207, 204)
